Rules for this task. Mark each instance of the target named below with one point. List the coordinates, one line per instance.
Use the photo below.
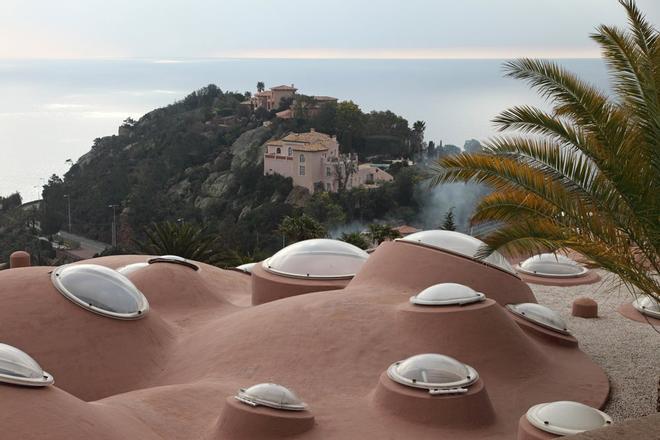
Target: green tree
(302, 227)
(183, 239)
(350, 124)
(448, 223)
(586, 175)
(379, 233)
(418, 136)
(261, 86)
(356, 239)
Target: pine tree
(448, 224)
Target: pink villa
(271, 99)
(313, 161)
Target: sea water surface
(51, 111)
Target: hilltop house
(308, 106)
(272, 99)
(313, 161)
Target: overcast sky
(168, 29)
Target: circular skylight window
(130, 268)
(317, 258)
(552, 266)
(271, 395)
(648, 306)
(566, 418)
(437, 373)
(100, 290)
(447, 294)
(174, 259)
(247, 267)
(458, 243)
(540, 315)
(18, 368)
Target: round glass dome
(566, 418)
(647, 305)
(271, 395)
(174, 259)
(247, 267)
(551, 266)
(447, 294)
(317, 258)
(458, 243)
(434, 372)
(540, 315)
(130, 268)
(18, 368)
(100, 290)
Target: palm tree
(183, 239)
(379, 233)
(418, 135)
(586, 175)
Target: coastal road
(86, 244)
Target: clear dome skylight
(317, 258)
(437, 373)
(18, 368)
(458, 243)
(271, 395)
(447, 294)
(174, 259)
(540, 315)
(100, 290)
(247, 267)
(552, 266)
(566, 418)
(647, 306)
(130, 268)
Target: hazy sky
(168, 29)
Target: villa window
(302, 170)
(290, 151)
(328, 172)
(327, 186)
(302, 158)
(278, 151)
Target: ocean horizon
(52, 110)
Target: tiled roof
(310, 147)
(283, 87)
(324, 98)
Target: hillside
(199, 160)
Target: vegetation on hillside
(586, 175)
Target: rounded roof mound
(436, 372)
(271, 395)
(18, 368)
(566, 417)
(458, 243)
(174, 259)
(131, 268)
(540, 315)
(647, 305)
(317, 258)
(100, 290)
(447, 294)
(552, 266)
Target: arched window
(278, 151)
(302, 158)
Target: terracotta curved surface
(630, 312)
(267, 286)
(172, 374)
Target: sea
(52, 110)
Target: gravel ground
(628, 351)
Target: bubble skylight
(552, 266)
(271, 395)
(458, 243)
(540, 315)
(174, 259)
(18, 368)
(447, 294)
(437, 373)
(566, 417)
(100, 290)
(647, 306)
(317, 258)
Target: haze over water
(52, 110)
